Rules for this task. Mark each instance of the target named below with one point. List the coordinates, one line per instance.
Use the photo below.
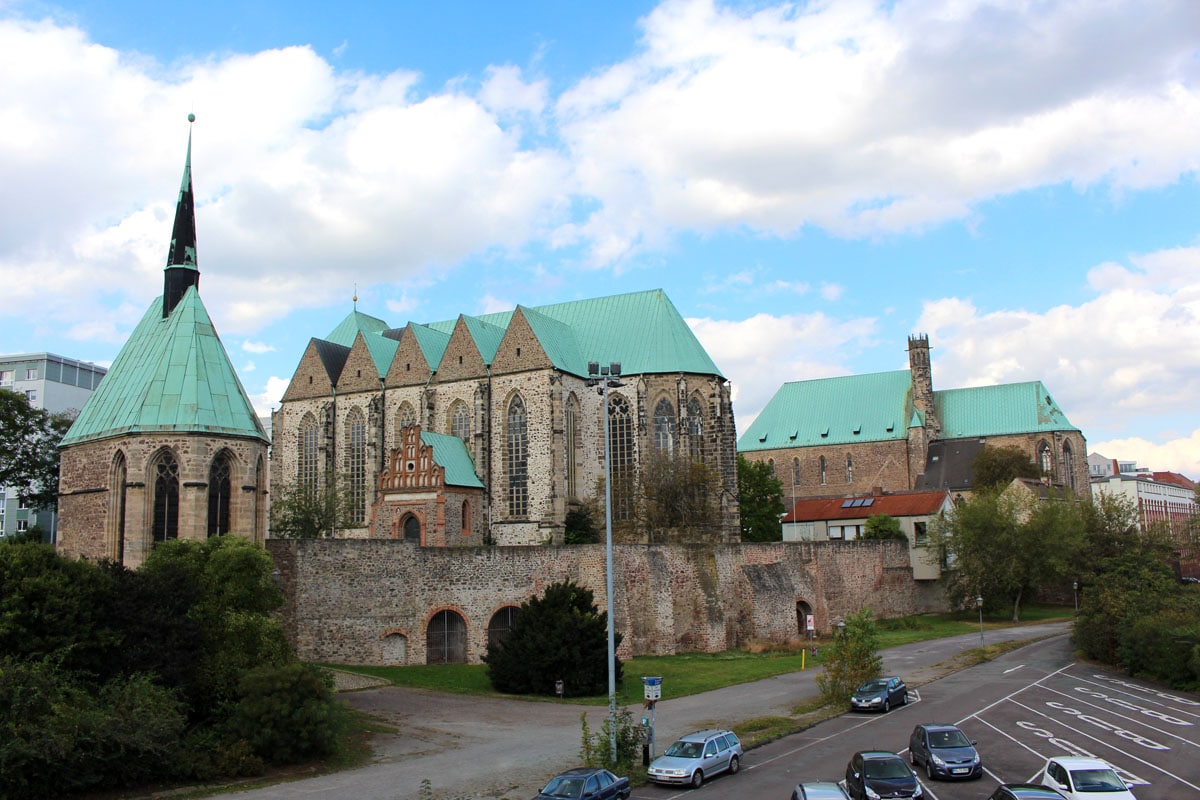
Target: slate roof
(903, 504)
(878, 407)
(172, 376)
(641, 330)
(450, 452)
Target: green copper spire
(182, 268)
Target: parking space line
(1103, 743)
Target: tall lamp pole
(979, 605)
(606, 377)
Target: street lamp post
(979, 605)
(606, 378)
(1075, 589)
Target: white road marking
(1013, 669)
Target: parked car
(873, 774)
(819, 790)
(586, 783)
(1081, 778)
(697, 756)
(879, 694)
(945, 751)
(1024, 791)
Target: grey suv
(697, 756)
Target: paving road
(505, 749)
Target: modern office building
(54, 383)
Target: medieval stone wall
(875, 464)
(349, 600)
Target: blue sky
(810, 183)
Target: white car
(1085, 779)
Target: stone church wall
(348, 600)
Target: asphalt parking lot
(1022, 708)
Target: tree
(561, 635)
(29, 440)
(998, 466)
(851, 659)
(580, 524)
(676, 492)
(760, 497)
(883, 526)
(307, 511)
(1003, 545)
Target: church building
(890, 431)
(169, 445)
(490, 429)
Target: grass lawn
(691, 673)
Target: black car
(1024, 791)
(885, 774)
(945, 751)
(879, 694)
(586, 783)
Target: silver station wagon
(697, 756)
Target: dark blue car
(879, 694)
(877, 773)
(945, 752)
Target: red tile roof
(1173, 477)
(906, 504)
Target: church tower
(169, 445)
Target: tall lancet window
(356, 465)
(219, 495)
(165, 474)
(518, 470)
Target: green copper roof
(450, 452)
(382, 350)
(432, 343)
(486, 335)
(355, 322)
(172, 375)
(856, 408)
(182, 252)
(878, 407)
(998, 410)
(641, 330)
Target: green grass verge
(692, 673)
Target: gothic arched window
(405, 417)
(120, 480)
(517, 457)
(695, 429)
(571, 435)
(1045, 458)
(165, 474)
(356, 465)
(821, 467)
(620, 442)
(310, 452)
(460, 421)
(219, 494)
(664, 427)
(1069, 464)
(849, 468)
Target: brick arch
(118, 479)
(401, 528)
(500, 620)
(447, 636)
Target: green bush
(559, 636)
(1164, 646)
(286, 713)
(851, 659)
(596, 749)
(57, 735)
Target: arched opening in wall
(116, 508)
(405, 417)
(446, 639)
(466, 518)
(165, 474)
(821, 468)
(500, 624)
(771, 466)
(803, 612)
(849, 468)
(219, 494)
(395, 650)
(412, 529)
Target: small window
(920, 533)
(31, 374)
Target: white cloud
(268, 399)
(257, 347)
(864, 120)
(1179, 455)
(760, 354)
(1130, 354)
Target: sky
(810, 183)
